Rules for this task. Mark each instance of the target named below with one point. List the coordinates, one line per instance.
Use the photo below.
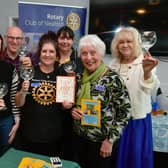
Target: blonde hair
(137, 41)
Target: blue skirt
(135, 148)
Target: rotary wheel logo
(44, 94)
(73, 21)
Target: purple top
(16, 61)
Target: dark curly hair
(49, 37)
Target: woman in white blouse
(137, 70)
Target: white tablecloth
(160, 133)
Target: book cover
(92, 115)
(28, 162)
(65, 88)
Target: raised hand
(149, 63)
(25, 86)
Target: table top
(160, 133)
(13, 157)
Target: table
(160, 133)
(13, 157)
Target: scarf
(87, 80)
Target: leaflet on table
(92, 115)
(28, 162)
(65, 88)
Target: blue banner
(36, 19)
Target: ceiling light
(154, 2)
(132, 21)
(141, 11)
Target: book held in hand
(92, 115)
(65, 88)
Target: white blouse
(139, 89)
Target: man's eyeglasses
(15, 38)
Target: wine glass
(148, 39)
(27, 73)
(23, 51)
(3, 91)
(70, 67)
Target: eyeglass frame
(14, 38)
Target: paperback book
(92, 115)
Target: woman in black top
(42, 119)
(65, 40)
(67, 54)
(9, 116)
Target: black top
(42, 119)
(6, 75)
(74, 57)
(79, 69)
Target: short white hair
(92, 40)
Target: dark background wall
(107, 15)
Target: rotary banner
(36, 19)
